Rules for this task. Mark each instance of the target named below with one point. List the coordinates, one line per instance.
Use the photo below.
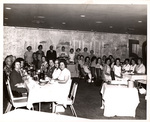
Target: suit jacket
(51, 55)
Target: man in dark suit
(51, 54)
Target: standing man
(51, 54)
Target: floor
(88, 101)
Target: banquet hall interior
(89, 40)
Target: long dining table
(119, 100)
(50, 92)
(142, 78)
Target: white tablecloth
(48, 93)
(137, 77)
(119, 100)
(22, 115)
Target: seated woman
(63, 54)
(93, 66)
(80, 65)
(107, 70)
(140, 68)
(6, 73)
(117, 69)
(51, 68)
(56, 71)
(21, 60)
(7, 67)
(65, 74)
(44, 64)
(35, 60)
(126, 66)
(99, 71)
(16, 79)
(132, 66)
(64, 82)
(71, 56)
(39, 61)
(86, 68)
(77, 64)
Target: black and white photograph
(76, 61)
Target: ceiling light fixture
(130, 29)
(63, 23)
(82, 15)
(139, 21)
(6, 18)
(98, 22)
(110, 26)
(40, 17)
(8, 8)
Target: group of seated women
(87, 65)
(108, 68)
(17, 70)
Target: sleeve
(13, 82)
(43, 53)
(47, 55)
(143, 69)
(55, 53)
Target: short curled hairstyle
(98, 59)
(29, 47)
(107, 59)
(63, 61)
(40, 46)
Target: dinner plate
(118, 82)
(42, 81)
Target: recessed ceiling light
(63, 23)
(98, 22)
(8, 8)
(6, 18)
(110, 26)
(82, 15)
(131, 29)
(139, 21)
(41, 17)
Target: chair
(70, 99)
(16, 102)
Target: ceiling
(111, 18)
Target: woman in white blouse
(126, 66)
(57, 70)
(64, 83)
(132, 66)
(140, 68)
(106, 70)
(117, 69)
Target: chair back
(9, 90)
(73, 92)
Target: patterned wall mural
(16, 39)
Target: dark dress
(15, 77)
(40, 53)
(50, 71)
